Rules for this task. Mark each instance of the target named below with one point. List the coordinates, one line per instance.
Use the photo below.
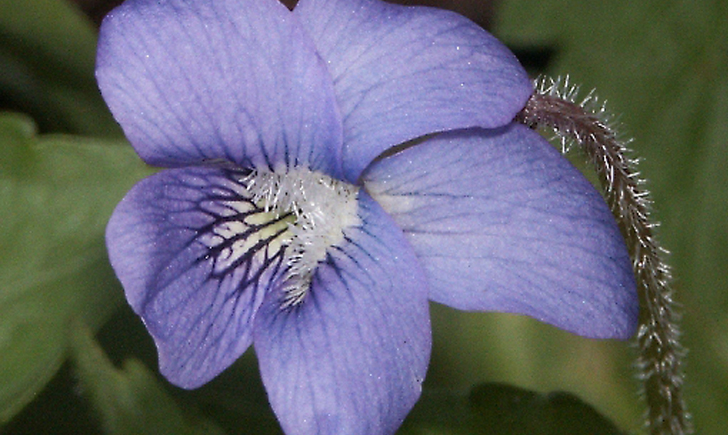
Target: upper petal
(196, 79)
(352, 358)
(403, 72)
(192, 266)
(501, 221)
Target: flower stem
(586, 123)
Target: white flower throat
(321, 209)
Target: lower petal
(502, 222)
(352, 357)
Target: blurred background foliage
(76, 360)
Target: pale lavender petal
(225, 79)
(182, 246)
(352, 357)
(502, 222)
(403, 72)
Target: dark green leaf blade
(130, 400)
(498, 408)
(56, 194)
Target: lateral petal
(195, 257)
(502, 222)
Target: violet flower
(301, 217)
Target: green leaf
(56, 194)
(130, 400)
(496, 408)
(47, 53)
(512, 410)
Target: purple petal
(352, 358)
(180, 245)
(225, 79)
(502, 222)
(403, 72)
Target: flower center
(322, 208)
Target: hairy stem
(586, 123)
